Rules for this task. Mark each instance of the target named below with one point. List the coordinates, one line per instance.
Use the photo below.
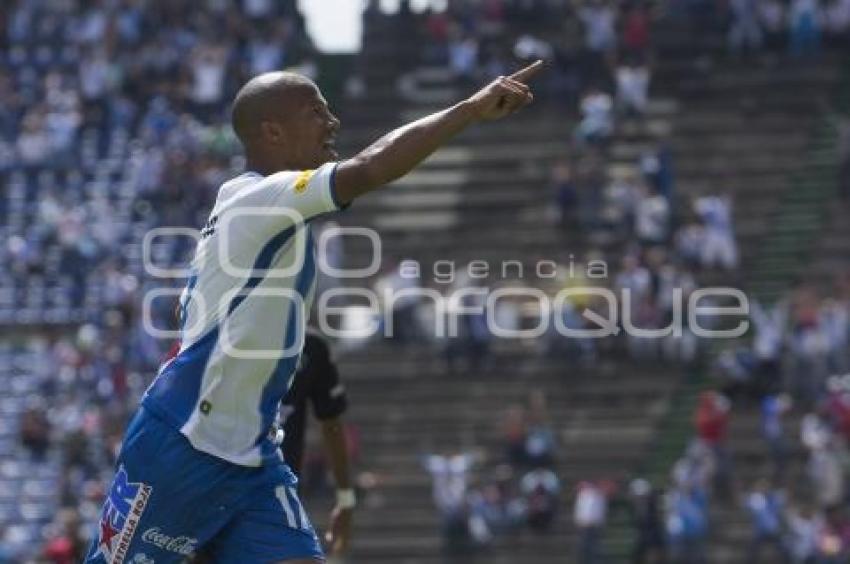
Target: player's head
(283, 121)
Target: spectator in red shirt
(712, 417)
(838, 406)
(635, 32)
(67, 547)
(712, 422)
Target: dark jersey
(316, 382)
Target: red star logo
(106, 534)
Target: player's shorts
(168, 500)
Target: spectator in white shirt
(827, 476)
(765, 506)
(268, 51)
(633, 87)
(94, 75)
(449, 474)
(589, 516)
(745, 33)
(600, 20)
(208, 74)
(837, 19)
(33, 143)
(690, 241)
(804, 527)
(769, 339)
(635, 279)
(258, 9)
(597, 123)
(771, 17)
(652, 218)
(720, 248)
(463, 56)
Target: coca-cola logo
(182, 545)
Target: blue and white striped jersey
(243, 314)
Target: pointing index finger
(523, 75)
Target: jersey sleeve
(308, 192)
(327, 394)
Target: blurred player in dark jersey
(317, 383)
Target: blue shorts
(168, 500)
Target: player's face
(315, 129)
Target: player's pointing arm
(398, 152)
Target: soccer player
(198, 467)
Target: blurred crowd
(628, 217)
(799, 346)
(108, 111)
(486, 497)
(73, 393)
(798, 342)
(113, 120)
(797, 516)
(794, 375)
(792, 383)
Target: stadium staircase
(824, 233)
(406, 406)
(485, 197)
(806, 221)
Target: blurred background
(681, 143)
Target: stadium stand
(87, 172)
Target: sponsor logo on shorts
(120, 518)
(182, 545)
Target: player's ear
(272, 132)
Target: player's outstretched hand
(339, 531)
(505, 95)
